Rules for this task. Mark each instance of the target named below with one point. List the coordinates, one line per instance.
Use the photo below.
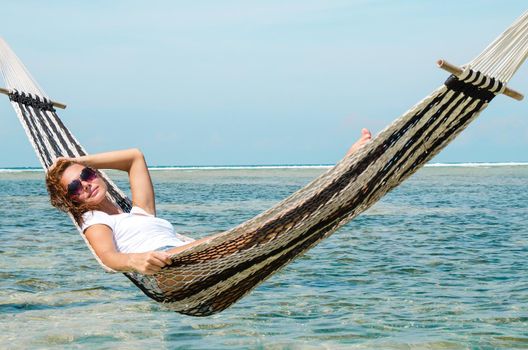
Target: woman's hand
(57, 160)
(150, 262)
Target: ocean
(438, 263)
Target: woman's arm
(101, 240)
(133, 162)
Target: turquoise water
(439, 263)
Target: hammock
(210, 277)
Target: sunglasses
(75, 187)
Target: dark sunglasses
(75, 187)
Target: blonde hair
(59, 197)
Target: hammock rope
(210, 277)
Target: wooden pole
(54, 103)
(457, 71)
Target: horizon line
(279, 166)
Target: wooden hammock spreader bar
(457, 71)
(54, 103)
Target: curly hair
(59, 196)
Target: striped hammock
(208, 278)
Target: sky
(253, 82)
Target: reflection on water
(439, 263)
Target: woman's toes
(365, 134)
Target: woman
(135, 241)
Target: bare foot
(366, 136)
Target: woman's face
(92, 189)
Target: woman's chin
(97, 197)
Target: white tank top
(137, 231)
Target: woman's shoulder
(93, 217)
(94, 214)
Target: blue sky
(253, 82)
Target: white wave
(473, 165)
(288, 166)
(20, 170)
(240, 167)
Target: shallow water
(438, 263)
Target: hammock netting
(210, 277)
